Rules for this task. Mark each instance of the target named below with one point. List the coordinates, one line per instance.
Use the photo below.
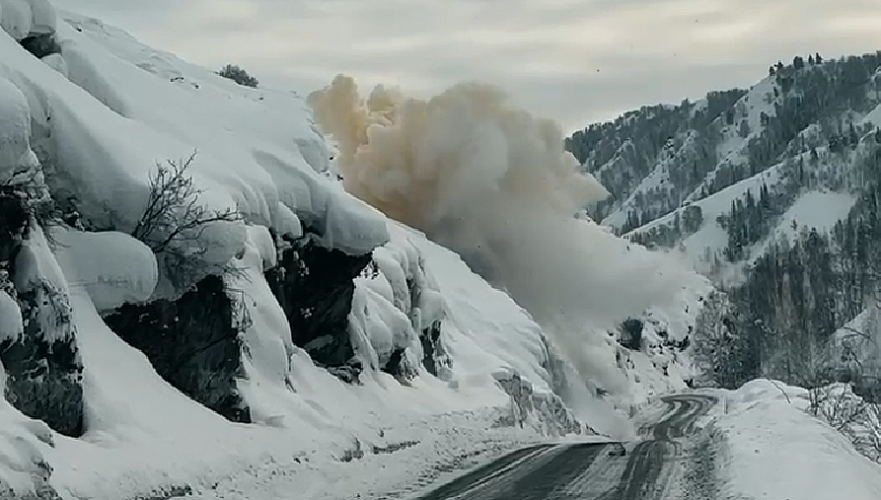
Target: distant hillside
(772, 192)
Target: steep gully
(591, 471)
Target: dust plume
(493, 183)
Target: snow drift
(493, 183)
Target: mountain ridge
(771, 198)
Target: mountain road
(651, 469)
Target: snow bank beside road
(769, 446)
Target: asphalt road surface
(590, 471)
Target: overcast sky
(577, 61)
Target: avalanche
(412, 352)
(493, 183)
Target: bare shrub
(174, 221)
(238, 75)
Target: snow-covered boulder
(10, 319)
(23, 18)
(113, 267)
(15, 118)
(16, 18)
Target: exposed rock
(43, 366)
(41, 45)
(435, 357)
(398, 366)
(631, 334)
(193, 343)
(14, 218)
(315, 287)
(547, 409)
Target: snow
(733, 148)
(304, 423)
(22, 465)
(304, 417)
(126, 107)
(815, 209)
(16, 17)
(651, 182)
(854, 348)
(770, 447)
(43, 17)
(873, 117)
(819, 210)
(711, 237)
(260, 237)
(56, 62)
(486, 329)
(15, 151)
(35, 263)
(10, 319)
(100, 116)
(112, 267)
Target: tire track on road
(588, 471)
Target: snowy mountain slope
(734, 135)
(270, 347)
(727, 137)
(781, 212)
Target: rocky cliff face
(42, 361)
(193, 342)
(546, 409)
(435, 357)
(315, 287)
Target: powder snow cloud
(490, 181)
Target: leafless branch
(174, 221)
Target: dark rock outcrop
(43, 366)
(41, 45)
(14, 217)
(554, 417)
(631, 334)
(399, 367)
(193, 343)
(434, 354)
(315, 287)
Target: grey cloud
(573, 60)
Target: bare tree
(173, 213)
(837, 404)
(174, 222)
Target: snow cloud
(574, 60)
(492, 182)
